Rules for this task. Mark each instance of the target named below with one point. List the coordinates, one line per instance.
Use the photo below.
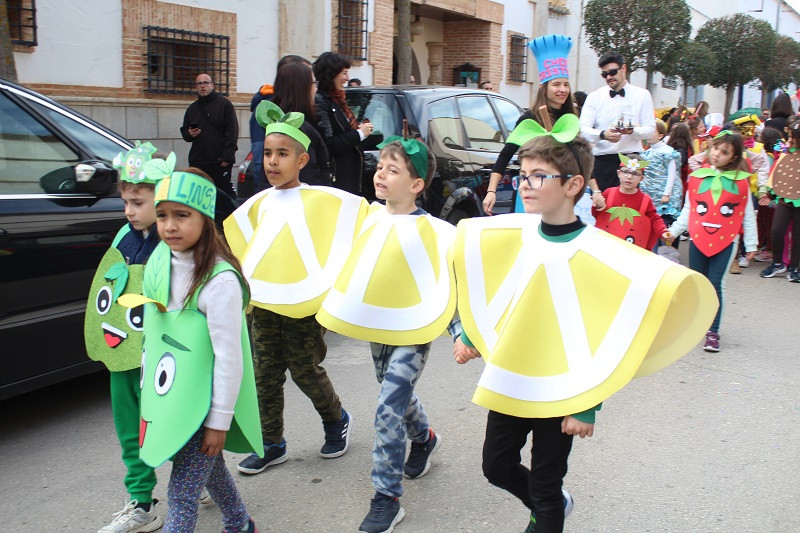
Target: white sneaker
(132, 519)
(744, 262)
(569, 503)
(205, 497)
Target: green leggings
(125, 392)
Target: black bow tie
(613, 93)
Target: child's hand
(598, 202)
(573, 426)
(463, 353)
(665, 199)
(213, 442)
(667, 236)
(750, 255)
(764, 200)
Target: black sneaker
(274, 454)
(793, 275)
(773, 270)
(337, 437)
(384, 513)
(531, 524)
(419, 458)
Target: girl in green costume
(198, 389)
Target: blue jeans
(399, 415)
(715, 268)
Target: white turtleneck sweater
(220, 300)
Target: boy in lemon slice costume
(397, 291)
(113, 333)
(629, 213)
(602, 311)
(292, 241)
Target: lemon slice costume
(397, 287)
(564, 325)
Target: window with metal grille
(353, 29)
(517, 58)
(176, 57)
(22, 21)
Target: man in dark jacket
(211, 126)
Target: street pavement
(710, 444)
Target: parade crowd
(218, 301)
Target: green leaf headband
(717, 181)
(272, 118)
(564, 130)
(723, 133)
(416, 151)
(184, 188)
(131, 163)
(632, 163)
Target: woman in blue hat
(553, 100)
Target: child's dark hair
(737, 145)
(769, 138)
(209, 248)
(610, 57)
(794, 132)
(395, 150)
(680, 136)
(297, 145)
(572, 158)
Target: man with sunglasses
(616, 118)
(210, 124)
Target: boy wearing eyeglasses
(593, 304)
(629, 213)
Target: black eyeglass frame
(516, 181)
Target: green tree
(643, 31)
(783, 69)
(8, 69)
(692, 62)
(743, 46)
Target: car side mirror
(95, 177)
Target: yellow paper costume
(398, 286)
(293, 243)
(564, 325)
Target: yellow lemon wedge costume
(398, 286)
(564, 325)
(292, 244)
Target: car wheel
(456, 215)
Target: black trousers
(785, 213)
(540, 487)
(605, 171)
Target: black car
(465, 129)
(59, 211)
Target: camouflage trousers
(399, 415)
(281, 343)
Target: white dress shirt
(601, 112)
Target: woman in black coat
(340, 129)
(781, 110)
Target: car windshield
(381, 109)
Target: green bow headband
(184, 188)
(131, 163)
(564, 130)
(416, 151)
(717, 181)
(272, 118)
(632, 163)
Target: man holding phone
(210, 124)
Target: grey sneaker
(773, 270)
(793, 275)
(274, 454)
(132, 519)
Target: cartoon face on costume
(176, 371)
(113, 333)
(717, 215)
(131, 163)
(626, 223)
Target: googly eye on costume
(165, 374)
(103, 300)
